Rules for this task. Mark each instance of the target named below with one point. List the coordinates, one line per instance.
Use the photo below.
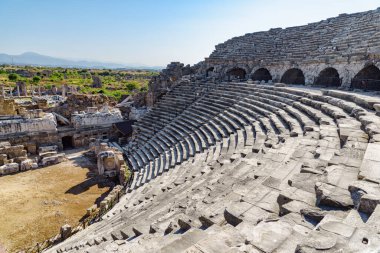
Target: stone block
(65, 231)
(267, 236)
(9, 168)
(333, 196)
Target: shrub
(36, 79)
(13, 77)
(131, 86)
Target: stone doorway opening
(262, 74)
(293, 76)
(67, 142)
(209, 71)
(367, 79)
(328, 77)
(236, 73)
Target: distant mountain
(34, 59)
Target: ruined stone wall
(8, 107)
(169, 77)
(80, 138)
(347, 43)
(102, 118)
(47, 123)
(80, 102)
(83, 137)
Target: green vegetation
(115, 83)
(13, 77)
(127, 174)
(36, 79)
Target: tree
(131, 86)
(13, 77)
(36, 79)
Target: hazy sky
(150, 32)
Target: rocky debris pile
(137, 113)
(47, 101)
(133, 107)
(49, 155)
(80, 103)
(14, 159)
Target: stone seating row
(252, 179)
(230, 124)
(332, 37)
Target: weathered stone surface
(105, 117)
(293, 193)
(370, 168)
(47, 123)
(338, 228)
(7, 106)
(333, 196)
(293, 207)
(318, 241)
(374, 220)
(9, 168)
(268, 236)
(233, 213)
(340, 176)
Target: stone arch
(209, 71)
(236, 73)
(293, 76)
(328, 77)
(368, 78)
(262, 74)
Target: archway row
(368, 78)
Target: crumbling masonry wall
(347, 43)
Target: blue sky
(150, 32)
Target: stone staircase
(248, 168)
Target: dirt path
(35, 204)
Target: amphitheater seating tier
(248, 168)
(343, 36)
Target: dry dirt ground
(35, 204)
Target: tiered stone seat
(250, 168)
(345, 35)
